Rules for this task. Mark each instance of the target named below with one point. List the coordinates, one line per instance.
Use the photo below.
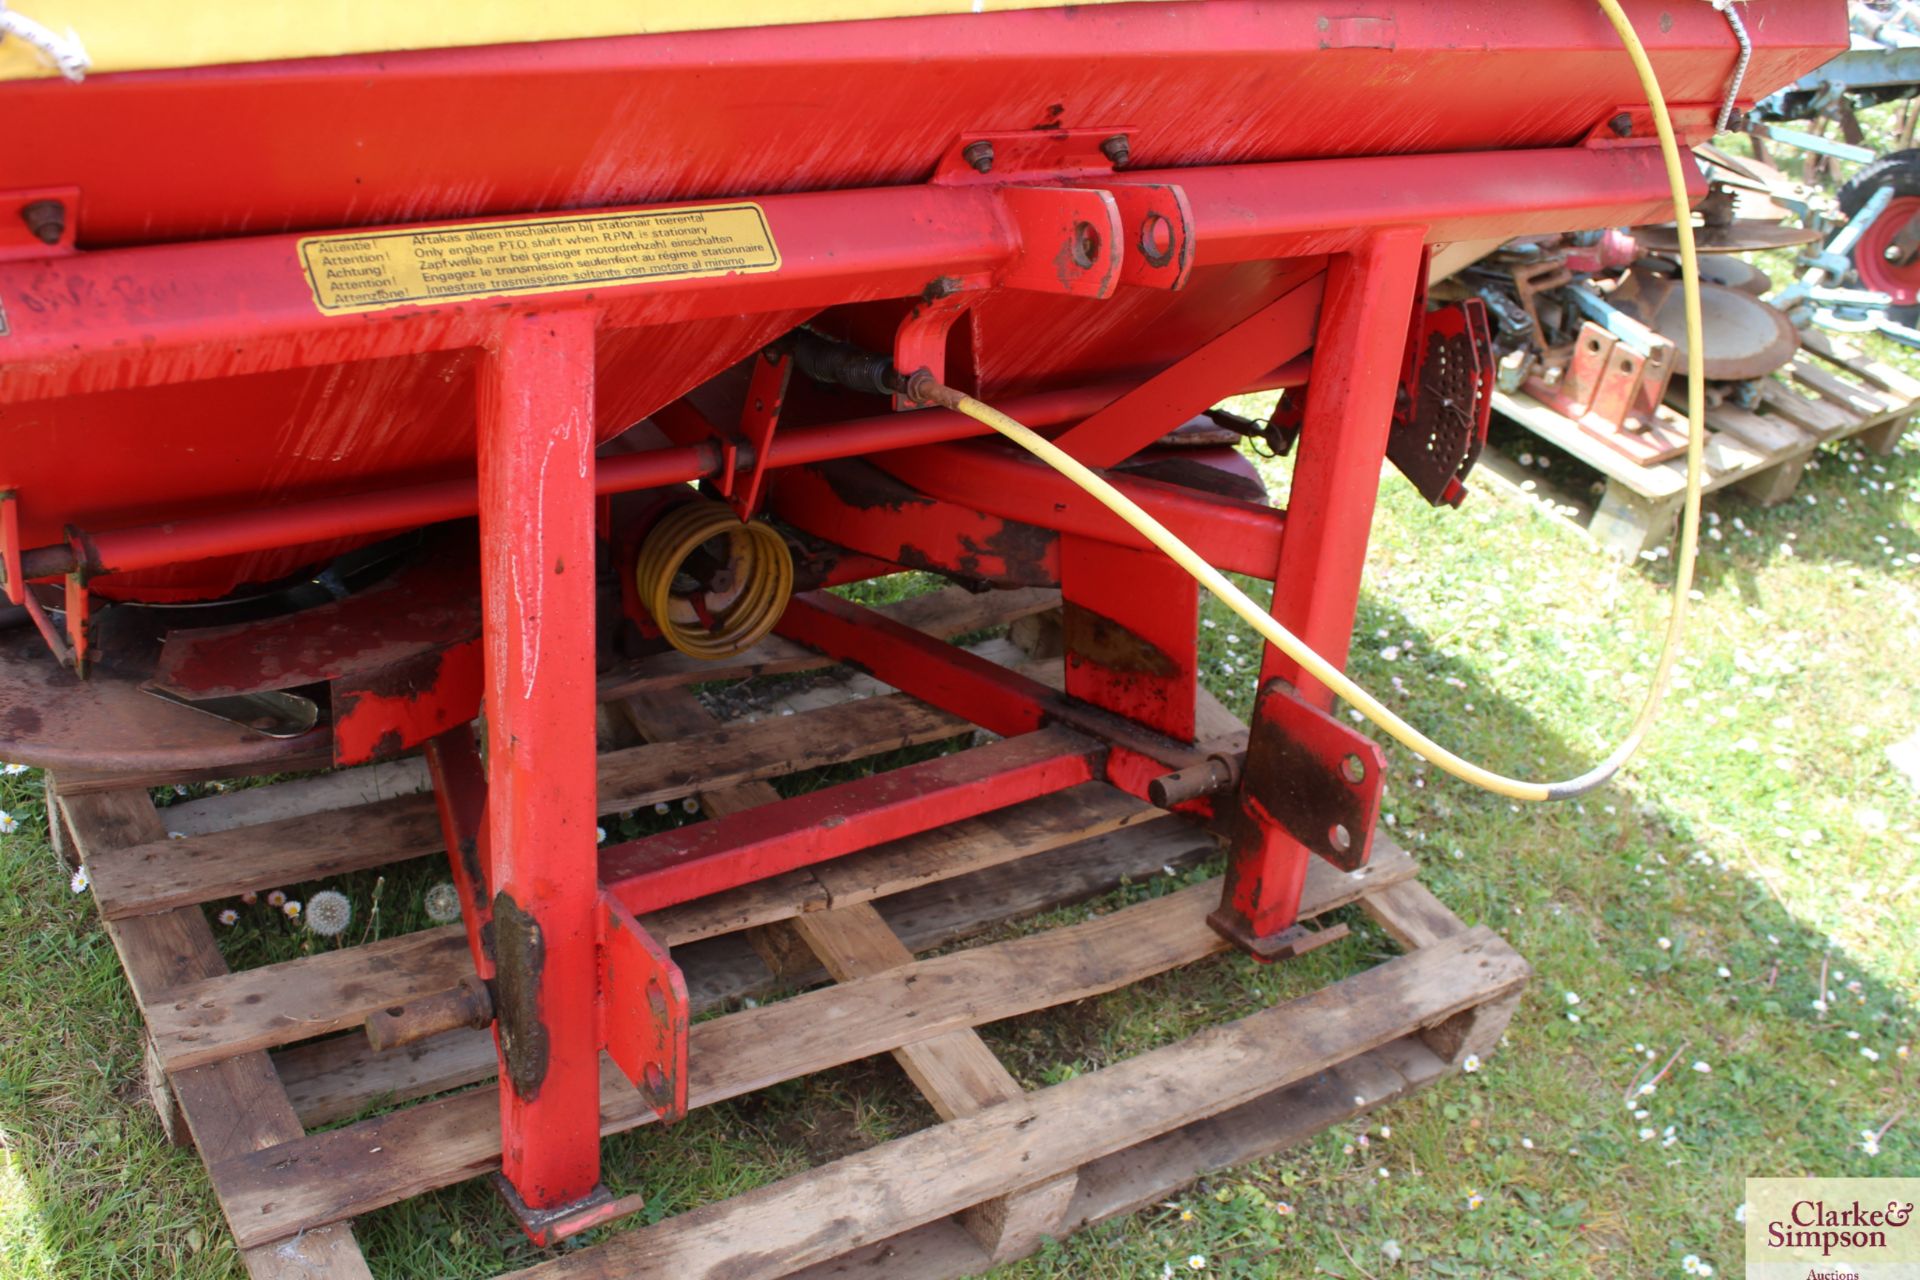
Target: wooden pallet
(1830, 392)
(251, 1064)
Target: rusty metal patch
(519, 956)
(1108, 644)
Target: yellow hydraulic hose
(922, 387)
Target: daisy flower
(229, 917)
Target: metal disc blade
(1746, 338)
(1735, 273)
(1740, 237)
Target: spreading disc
(1746, 338)
(1737, 237)
(1735, 273)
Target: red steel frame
(545, 910)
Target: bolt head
(979, 155)
(1622, 125)
(1117, 149)
(46, 219)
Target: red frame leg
(1336, 478)
(537, 582)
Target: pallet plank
(330, 1176)
(1148, 1173)
(1885, 376)
(90, 781)
(331, 1079)
(1864, 404)
(233, 1107)
(1414, 918)
(1080, 812)
(299, 797)
(956, 1073)
(331, 991)
(1812, 413)
(159, 875)
(766, 1233)
(1771, 436)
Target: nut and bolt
(979, 155)
(1117, 150)
(1622, 125)
(47, 219)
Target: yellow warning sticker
(490, 259)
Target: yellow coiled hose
(922, 387)
(744, 610)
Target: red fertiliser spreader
(427, 407)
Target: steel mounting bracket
(644, 1014)
(1312, 776)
